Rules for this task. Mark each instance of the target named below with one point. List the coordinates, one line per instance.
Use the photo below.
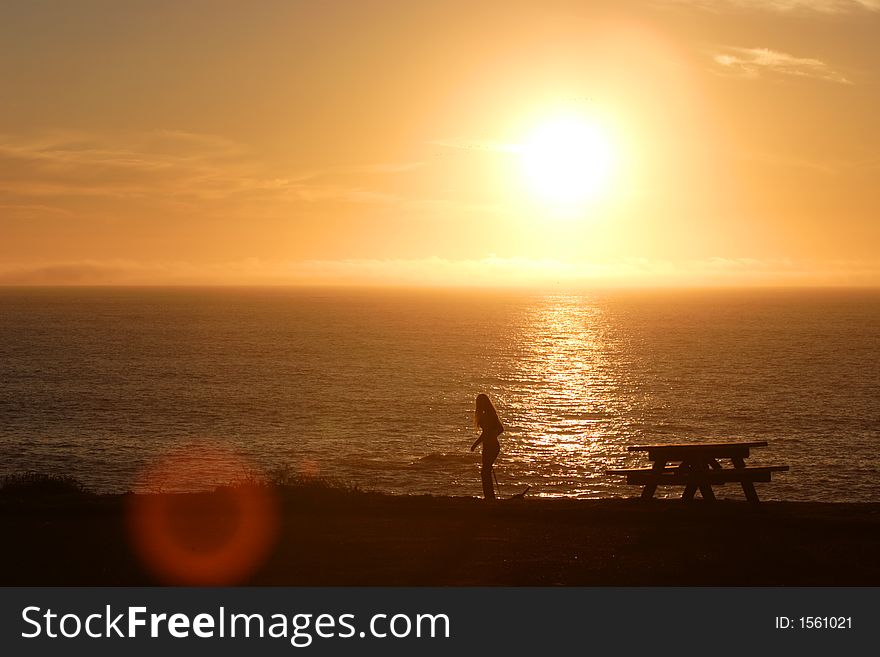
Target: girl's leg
(486, 475)
(489, 456)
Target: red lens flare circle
(217, 538)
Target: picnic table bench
(696, 466)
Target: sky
(389, 142)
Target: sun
(567, 162)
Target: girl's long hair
(485, 414)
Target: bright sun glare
(567, 162)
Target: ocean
(375, 388)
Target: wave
(439, 458)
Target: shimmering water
(376, 387)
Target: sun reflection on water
(560, 424)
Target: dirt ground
(330, 538)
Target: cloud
(379, 169)
(70, 273)
(491, 271)
(782, 6)
(168, 167)
(827, 167)
(467, 144)
(29, 209)
(754, 62)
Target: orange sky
(375, 142)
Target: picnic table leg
(689, 491)
(706, 492)
(747, 486)
(649, 489)
(697, 469)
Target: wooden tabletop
(702, 452)
(696, 446)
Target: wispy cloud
(443, 272)
(781, 6)
(174, 166)
(24, 209)
(468, 144)
(827, 167)
(377, 169)
(755, 62)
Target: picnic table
(697, 466)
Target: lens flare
(217, 538)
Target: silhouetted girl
(486, 418)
